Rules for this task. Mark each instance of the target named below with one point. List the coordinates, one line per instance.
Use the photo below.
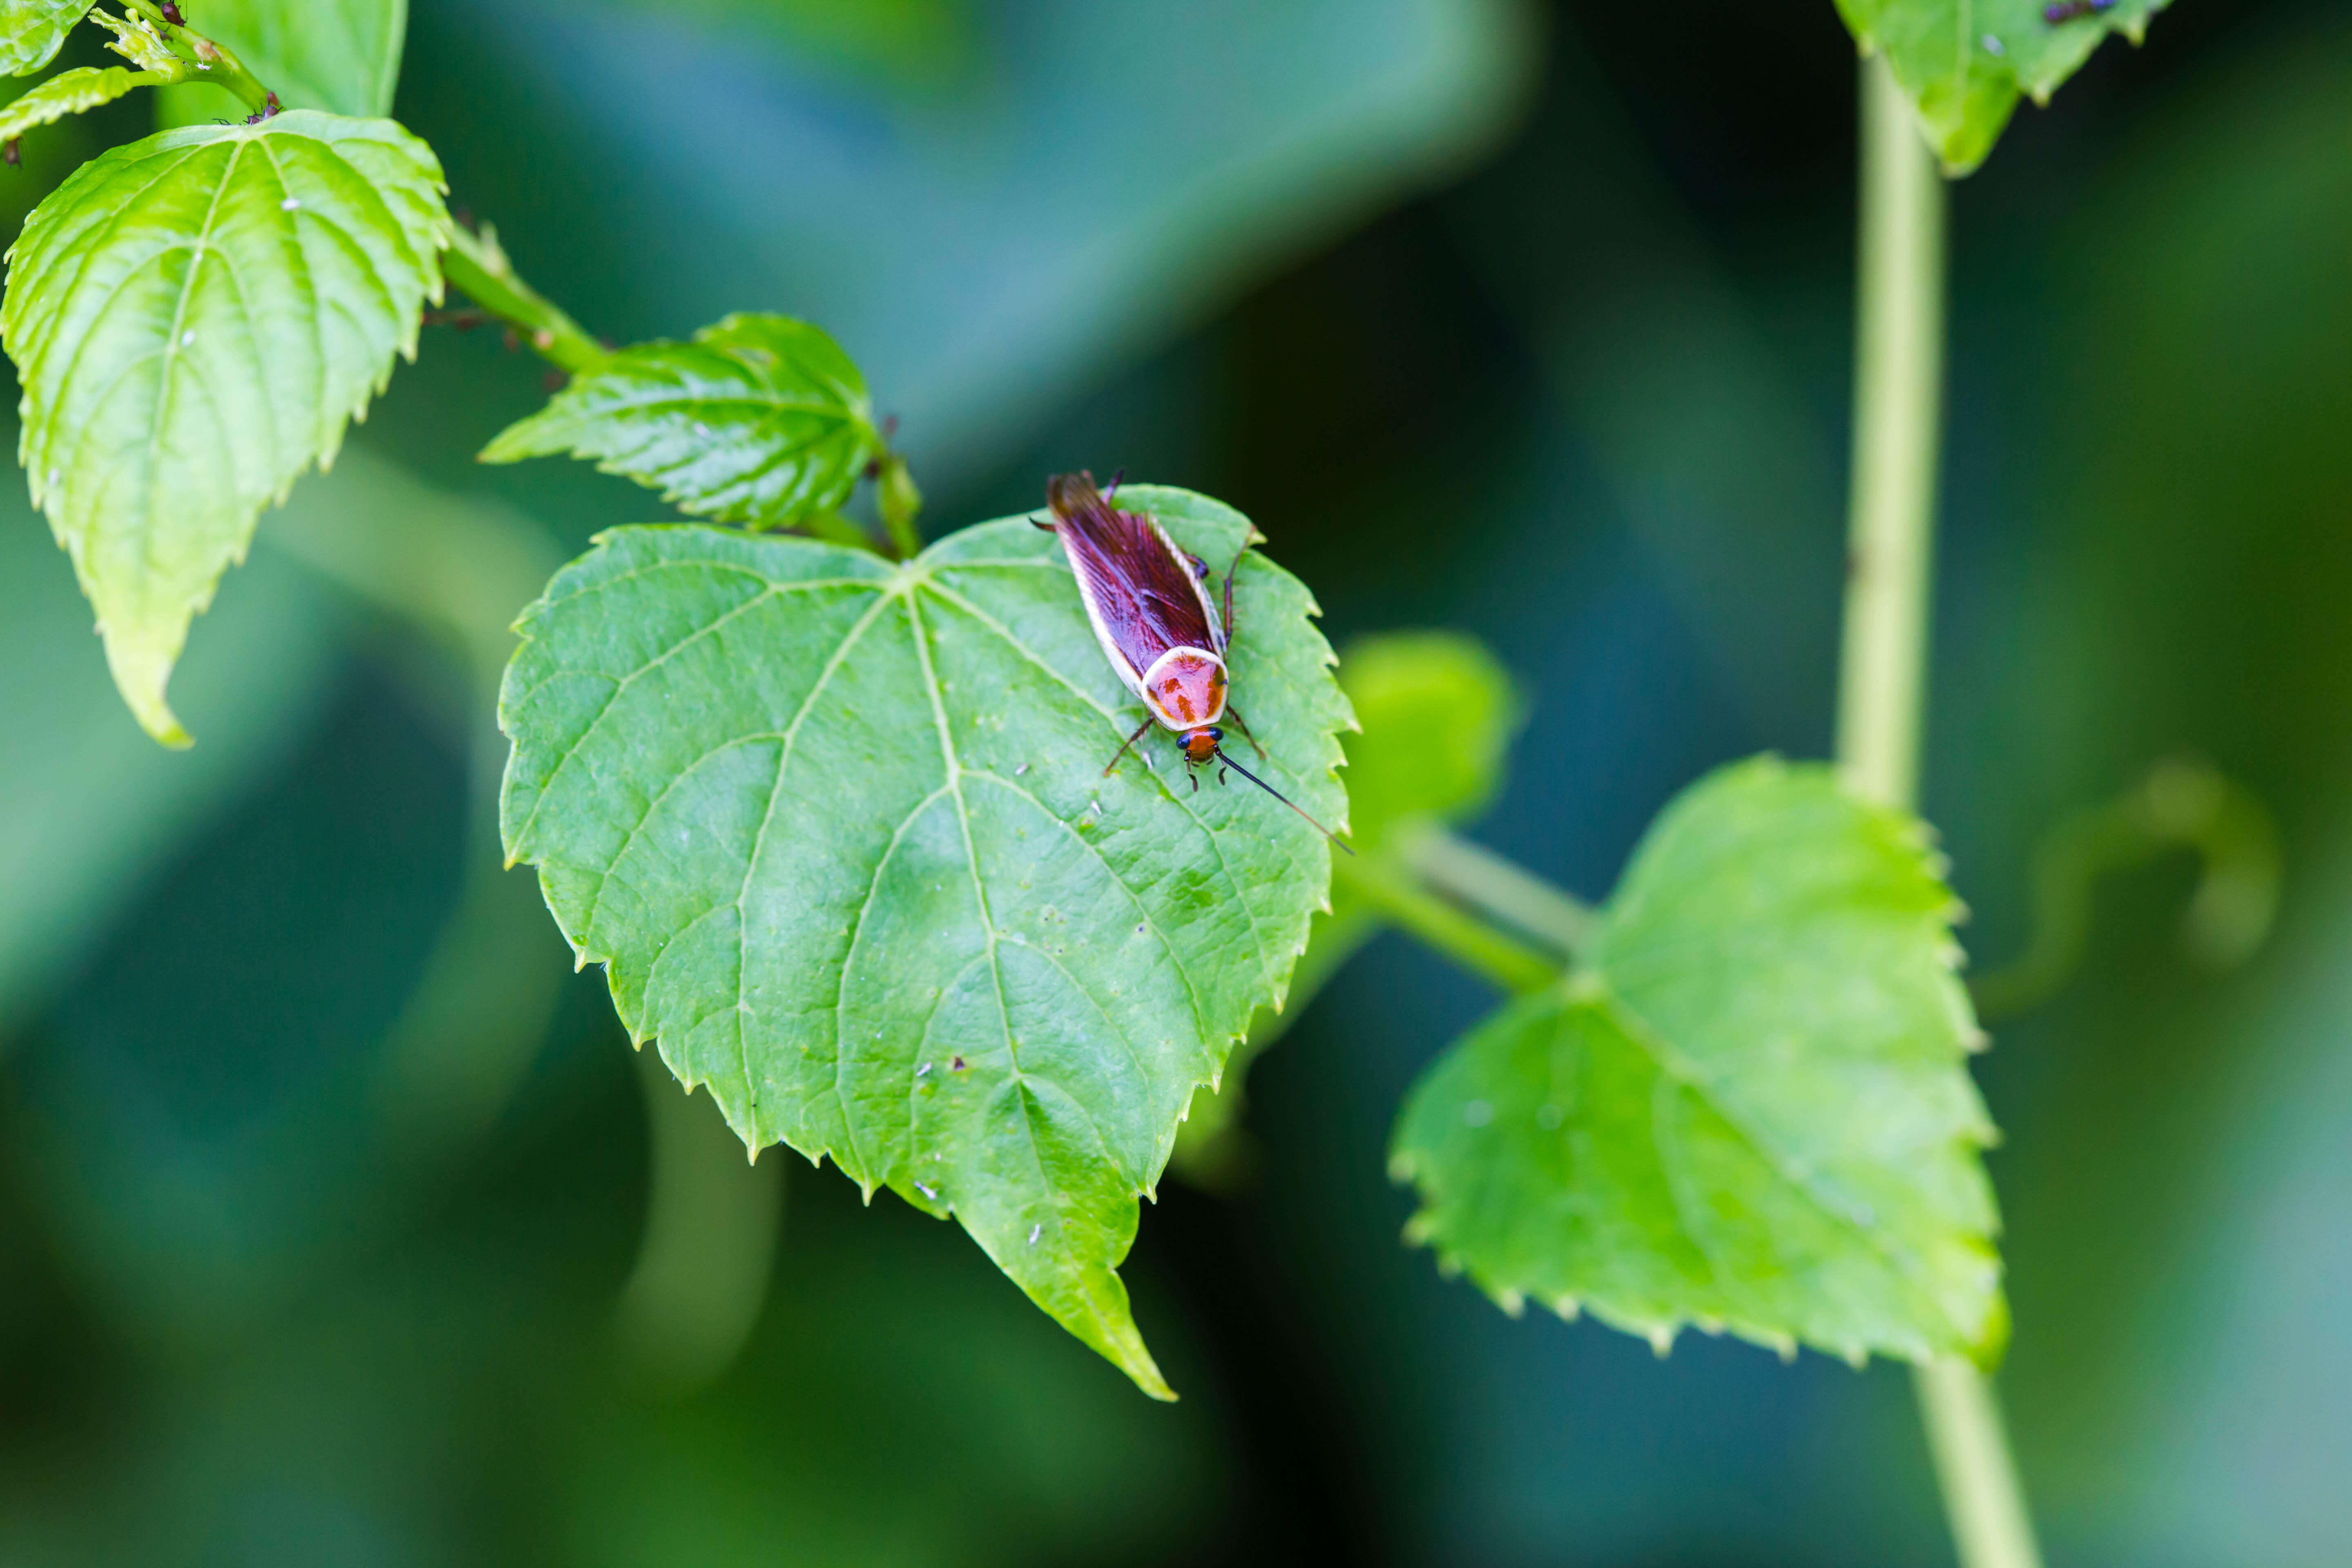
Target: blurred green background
(324, 1185)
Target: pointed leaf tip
(142, 667)
(1965, 96)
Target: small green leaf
(1749, 1111)
(33, 31)
(141, 42)
(195, 317)
(1963, 63)
(340, 55)
(760, 419)
(67, 92)
(1438, 712)
(839, 829)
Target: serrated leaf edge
(1916, 838)
(142, 673)
(559, 429)
(1121, 1340)
(1957, 155)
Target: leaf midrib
(172, 344)
(906, 583)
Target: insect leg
(1130, 740)
(1229, 601)
(1242, 725)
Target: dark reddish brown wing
(1144, 591)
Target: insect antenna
(1285, 800)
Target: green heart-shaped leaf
(1964, 63)
(840, 831)
(33, 31)
(194, 317)
(1749, 1108)
(760, 419)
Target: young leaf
(760, 419)
(69, 92)
(33, 31)
(840, 831)
(1749, 1109)
(1439, 713)
(1963, 63)
(340, 56)
(195, 317)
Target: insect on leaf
(340, 56)
(1964, 63)
(194, 317)
(839, 830)
(760, 419)
(33, 31)
(1750, 1110)
(67, 92)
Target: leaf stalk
(1498, 888)
(1898, 389)
(1387, 883)
(900, 502)
(476, 265)
(195, 57)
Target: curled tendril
(2181, 804)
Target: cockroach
(1149, 603)
(2067, 10)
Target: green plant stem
(1898, 383)
(1385, 883)
(1899, 377)
(1971, 1446)
(476, 264)
(1500, 890)
(900, 503)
